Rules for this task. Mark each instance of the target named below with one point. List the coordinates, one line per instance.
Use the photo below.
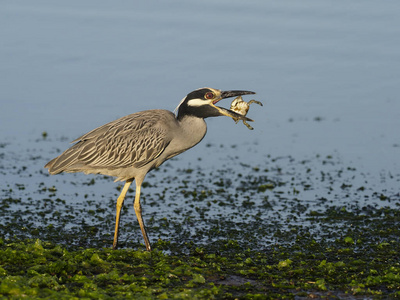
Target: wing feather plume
(131, 141)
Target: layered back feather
(131, 141)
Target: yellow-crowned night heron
(128, 148)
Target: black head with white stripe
(201, 103)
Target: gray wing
(131, 141)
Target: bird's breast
(188, 132)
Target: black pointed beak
(228, 94)
(228, 112)
(220, 111)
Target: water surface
(327, 72)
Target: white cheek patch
(196, 102)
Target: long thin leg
(120, 202)
(138, 211)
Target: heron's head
(201, 103)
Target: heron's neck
(193, 129)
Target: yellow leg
(120, 202)
(138, 211)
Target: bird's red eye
(209, 95)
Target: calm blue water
(328, 73)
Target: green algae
(282, 229)
(38, 269)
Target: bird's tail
(63, 162)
